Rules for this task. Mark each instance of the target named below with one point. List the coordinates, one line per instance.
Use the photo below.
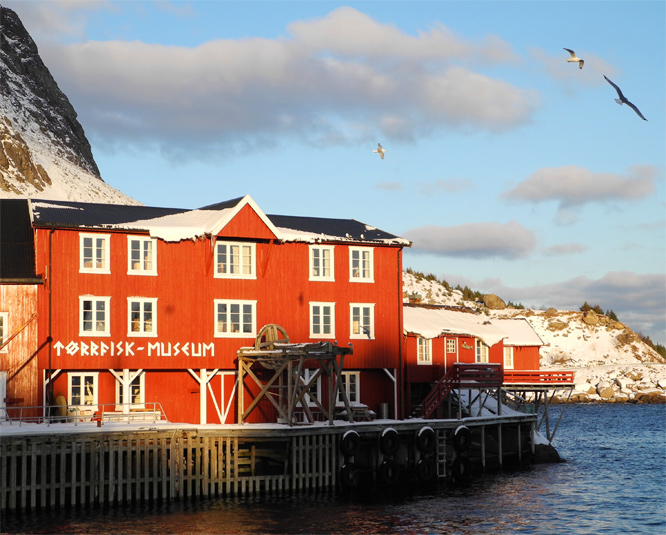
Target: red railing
(538, 377)
(462, 376)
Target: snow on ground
(605, 353)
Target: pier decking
(61, 465)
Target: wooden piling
(83, 468)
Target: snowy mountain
(44, 152)
(609, 360)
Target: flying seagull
(623, 99)
(574, 59)
(380, 150)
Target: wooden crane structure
(286, 388)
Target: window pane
(148, 255)
(87, 315)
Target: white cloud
(572, 185)
(314, 86)
(563, 249)
(351, 33)
(57, 20)
(638, 300)
(474, 240)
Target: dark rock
(25, 78)
(546, 453)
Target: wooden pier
(63, 466)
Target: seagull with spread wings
(623, 99)
(574, 59)
(380, 150)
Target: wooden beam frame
(288, 362)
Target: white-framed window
(94, 316)
(137, 390)
(141, 255)
(362, 320)
(481, 351)
(351, 382)
(141, 316)
(82, 387)
(4, 330)
(235, 318)
(235, 260)
(508, 358)
(361, 264)
(321, 263)
(424, 350)
(315, 388)
(322, 320)
(450, 345)
(94, 253)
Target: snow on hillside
(606, 354)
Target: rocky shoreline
(612, 392)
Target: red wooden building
(139, 305)
(19, 286)
(436, 337)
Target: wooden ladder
(441, 452)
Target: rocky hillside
(43, 149)
(610, 361)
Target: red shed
(438, 336)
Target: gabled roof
(86, 214)
(175, 224)
(431, 322)
(313, 229)
(519, 332)
(207, 221)
(17, 253)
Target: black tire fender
(461, 469)
(388, 472)
(349, 443)
(425, 470)
(426, 439)
(462, 439)
(349, 476)
(389, 441)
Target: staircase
(472, 376)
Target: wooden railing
(462, 376)
(108, 412)
(481, 375)
(539, 377)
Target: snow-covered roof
(431, 322)
(173, 224)
(519, 332)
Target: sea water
(613, 482)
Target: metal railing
(84, 414)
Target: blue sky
(510, 169)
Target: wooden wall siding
(20, 359)
(247, 224)
(185, 289)
(526, 358)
